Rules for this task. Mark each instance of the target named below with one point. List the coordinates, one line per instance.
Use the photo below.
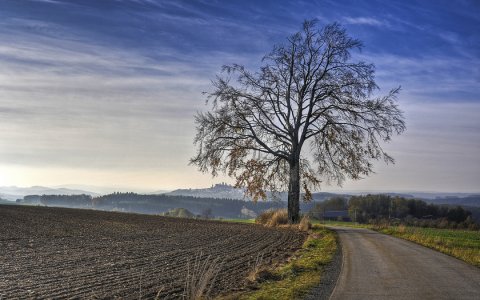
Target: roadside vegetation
(301, 273)
(342, 223)
(462, 244)
(279, 218)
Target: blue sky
(104, 92)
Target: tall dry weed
(253, 275)
(201, 276)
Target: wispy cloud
(364, 21)
(428, 78)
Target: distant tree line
(206, 207)
(159, 204)
(77, 201)
(67, 200)
(364, 209)
(380, 208)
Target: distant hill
(225, 191)
(473, 200)
(13, 193)
(433, 195)
(219, 191)
(104, 190)
(322, 196)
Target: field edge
(302, 274)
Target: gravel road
(378, 266)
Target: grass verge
(342, 223)
(296, 278)
(248, 221)
(462, 244)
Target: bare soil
(71, 253)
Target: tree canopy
(308, 115)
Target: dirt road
(378, 266)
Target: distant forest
(452, 210)
(158, 204)
(378, 208)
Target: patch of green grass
(6, 202)
(249, 221)
(342, 223)
(462, 244)
(302, 273)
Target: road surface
(378, 266)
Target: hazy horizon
(103, 93)
(331, 189)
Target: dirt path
(378, 266)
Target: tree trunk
(294, 192)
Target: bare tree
(307, 94)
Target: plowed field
(67, 253)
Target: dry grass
(264, 216)
(157, 297)
(401, 228)
(257, 266)
(273, 217)
(305, 224)
(279, 218)
(297, 277)
(201, 276)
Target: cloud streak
(363, 21)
